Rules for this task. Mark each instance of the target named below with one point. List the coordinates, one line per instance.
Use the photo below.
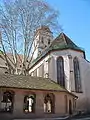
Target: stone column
(18, 103)
(71, 81)
(46, 72)
(59, 104)
(39, 108)
(37, 72)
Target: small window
(48, 41)
(6, 72)
(42, 40)
(29, 103)
(20, 66)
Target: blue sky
(75, 20)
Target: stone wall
(39, 105)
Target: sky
(75, 20)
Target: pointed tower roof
(64, 42)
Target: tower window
(42, 40)
(48, 41)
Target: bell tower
(43, 39)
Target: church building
(64, 62)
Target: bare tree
(18, 22)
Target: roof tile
(28, 82)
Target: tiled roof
(28, 82)
(64, 42)
(31, 83)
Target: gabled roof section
(64, 42)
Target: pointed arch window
(60, 72)
(78, 87)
